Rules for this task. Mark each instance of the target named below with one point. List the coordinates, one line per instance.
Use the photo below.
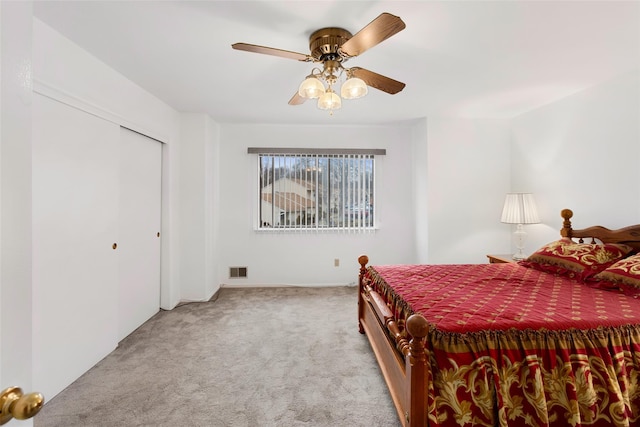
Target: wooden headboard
(628, 235)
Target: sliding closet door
(75, 268)
(139, 227)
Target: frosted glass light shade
(311, 87)
(329, 101)
(353, 88)
(519, 208)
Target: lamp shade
(311, 87)
(353, 88)
(519, 208)
(329, 101)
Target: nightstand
(495, 259)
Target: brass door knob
(14, 404)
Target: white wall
(199, 145)
(15, 196)
(467, 172)
(308, 259)
(67, 73)
(420, 188)
(581, 153)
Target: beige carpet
(253, 357)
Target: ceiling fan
(332, 47)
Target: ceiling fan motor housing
(324, 43)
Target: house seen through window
(316, 191)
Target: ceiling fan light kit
(329, 101)
(332, 47)
(311, 88)
(353, 88)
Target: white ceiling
(493, 59)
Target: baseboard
(271, 285)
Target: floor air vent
(237, 272)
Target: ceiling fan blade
(377, 31)
(378, 81)
(297, 99)
(272, 51)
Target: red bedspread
(474, 297)
(513, 346)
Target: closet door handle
(114, 246)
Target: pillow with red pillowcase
(576, 260)
(623, 275)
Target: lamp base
(519, 256)
(520, 236)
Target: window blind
(316, 191)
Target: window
(316, 189)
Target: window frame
(257, 195)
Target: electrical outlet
(336, 262)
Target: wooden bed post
(363, 260)
(417, 371)
(566, 224)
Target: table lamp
(520, 209)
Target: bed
(553, 340)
